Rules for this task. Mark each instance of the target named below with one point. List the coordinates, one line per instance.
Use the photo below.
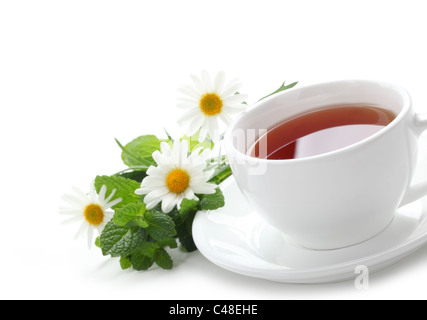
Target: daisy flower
(206, 102)
(90, 210)
(178, 176)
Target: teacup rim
(407, 103)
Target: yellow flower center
(211, 104)
(178, 181)
(94, 214)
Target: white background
(76, 74)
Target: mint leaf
(149, 248)
(137, 176)
(169, 242)
(139, 152)
(125, 263)
(160, 225)
(125, 189)
(131, 213)
(163, 259)
(212, 201)
(282, 88)
(188, 207)
(141, 262)
(184, 224)
(119, 241)
(187, 242)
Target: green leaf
(125, 189)
(169, 242)
(139, 152)
(184, 224)
(193, 142)
(149, 248)
(163, 259)
(132, 212)
(160, 225)
(137, 176)
(141, 262)
(282, 88)
(98, 242)
(125, 263)
(212, 201)
(120, 241)
(188, 207)
(187, 242)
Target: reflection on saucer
(237, 239)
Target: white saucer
(237, 239)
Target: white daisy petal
(231, 88)
(166, 149)
(219, 82)
(108, 216)
(190, 101)
(238, 98)
(225, 118)
(205, 155)
(189, 194)
(198, 84)
(89, 237)
(79, 193)
(199, 181)
(152, 204)
(202, 177)
(214, 129)
(183, 151)
(169, 202)
(207, 82)
(207, 188)
(111, 195)
(74, 201)
(203, 133)
(69, 211)
(144, 190)
(72, 220)
(84, 226)
(179, 200)
(92, 193)
(189, 93)
(103, 192)
(200, 155)
(196, 169)
(112, 203)
(189, 115)
(154, 181)
(234, 109)
(160, 159)
(195, 125)
(179, 153)
(156, 195)
(184, 106)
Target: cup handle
(418, 190)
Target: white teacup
(339, 198)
